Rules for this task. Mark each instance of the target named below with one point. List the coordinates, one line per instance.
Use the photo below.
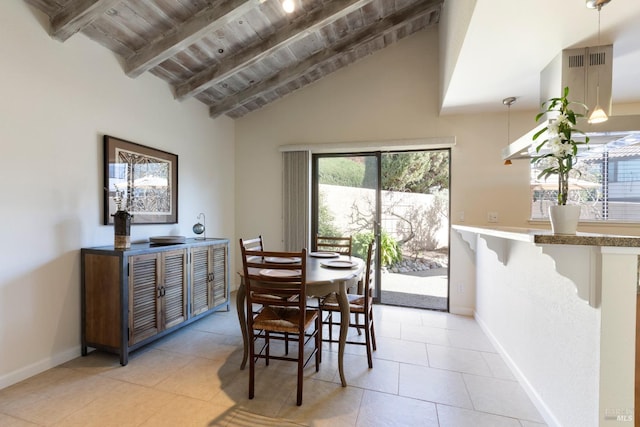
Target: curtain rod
(431, 143)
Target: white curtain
(296, 199)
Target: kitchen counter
(542, 236)
(561, 310)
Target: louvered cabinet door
(144, 296)
(219, 284)
(173, 288)
(131, 297)
(201, 275)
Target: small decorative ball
(198, 228)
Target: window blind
(606, 184)
(296, 199)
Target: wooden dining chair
(253, 244)
(289, 314)
(339, 244)
(257, 244)
(360, 306)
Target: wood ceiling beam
(208, 20)
(296, 30)
(349, 43)
(76, 15)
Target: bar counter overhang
(562, 312)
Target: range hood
(583, 70)
(618, 131)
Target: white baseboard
(463, 311)
(540, 405)
(38, 367)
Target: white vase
(564, 218)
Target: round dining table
(324, 276)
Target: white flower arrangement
(562, 148)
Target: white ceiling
(508, 43)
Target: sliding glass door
(415, 229)
(345, 198)
(401, 199)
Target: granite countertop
(546, 237)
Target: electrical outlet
(461, 216)
(492, 216)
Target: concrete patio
(422, 289)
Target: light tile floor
(430, 369)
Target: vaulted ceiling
(507, 43)
(236, 56)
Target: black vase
(122, 229)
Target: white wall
(58, 100)
(549, 336)
(562, 316)
(454, 22)
(390, 95)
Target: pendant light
(598, 115)
(508, 101)
(594, 4)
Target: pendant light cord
(598, 85)
(598, 114)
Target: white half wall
(549, 337)
(563, 318)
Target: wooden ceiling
(236, 56)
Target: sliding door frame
(315, 204)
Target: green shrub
(340, 171)
(326, 226)
(389, 250)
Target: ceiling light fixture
(598, 115)
(508, 101)
(594, 4)
(288, 6)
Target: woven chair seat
(275, 298)
(356, 303)
(283, 319)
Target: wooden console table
(134, 296)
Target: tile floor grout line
(229, 382)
